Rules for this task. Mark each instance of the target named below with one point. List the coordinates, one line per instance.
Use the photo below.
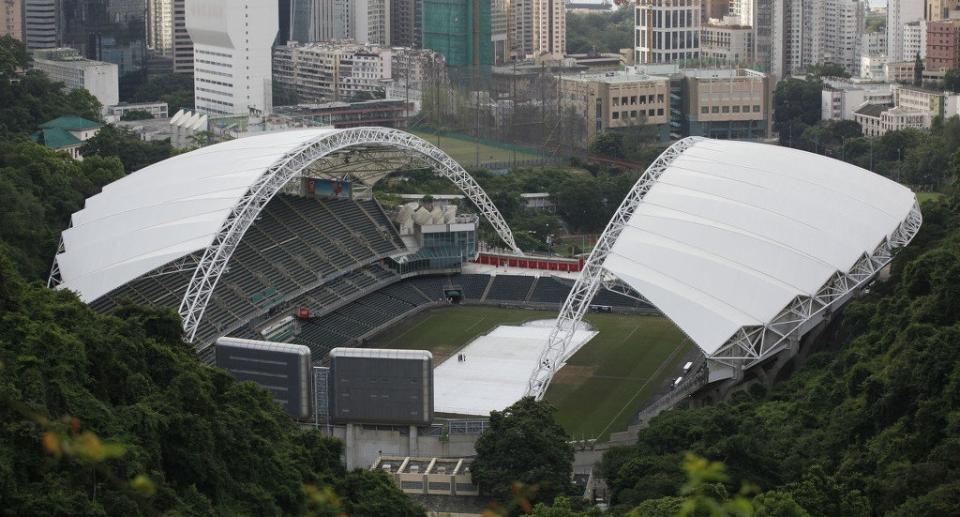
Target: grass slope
(601, 387)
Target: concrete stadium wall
(364, 444)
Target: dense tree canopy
(524, 444)
(114, 415)
(39, 190)
(174, 89)
(30, 99)
(868, 427)
(599, 32)
(126, 145)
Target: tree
(796, 107)
(174, 89)
(27, 99)
(525, 445)
(608, 144)
(137, 115)
(135, 154)
(918, 71)
(828, 70)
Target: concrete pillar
(350, 449)
(413, 446)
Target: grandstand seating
(550, 290)
(473, 285)
(510, 288)
(295, 244)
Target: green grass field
(601, 387)
(465, 151)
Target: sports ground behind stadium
(601, 387)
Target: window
(715, 109)
(704, 110)
(616, 101)
(756, 108)
(633, 114)
(651, 112)
(746, 109)
(726, 109)
(736, 109)
(659, 111)
(616, 115)
(633, 99)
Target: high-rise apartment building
(943, 45)
(232, 51)
(160, 26)
(167, 33)
(40, 20)
(406, 23)
(807, 32)
(11, 18)
(667, 31)
(499, 32)
(938, 10)
(537, 27)
(550, 27)
(899, 14)
(367, 21)
(913, 39)
(726, 42)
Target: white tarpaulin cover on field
(494, 375)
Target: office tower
(182, 44)
(232, 47)
(742, 10)
(40, 23)
(899, 14)
(668, 31)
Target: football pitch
(465, 152)
(602, 386)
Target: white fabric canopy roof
(732, 232)
(165, 211)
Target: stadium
(723, 256)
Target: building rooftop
(70, 123)
(55, 138)
(872, 110)
(616, 77)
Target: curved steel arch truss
(749, 345)
(594, 276)
(214, 260)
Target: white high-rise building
(743, 10)
(914, 40)
(40, 23)
(807, 32)
(899, 14)
(160, 26)
(232, 41)
(667, 31)
(367, 21)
